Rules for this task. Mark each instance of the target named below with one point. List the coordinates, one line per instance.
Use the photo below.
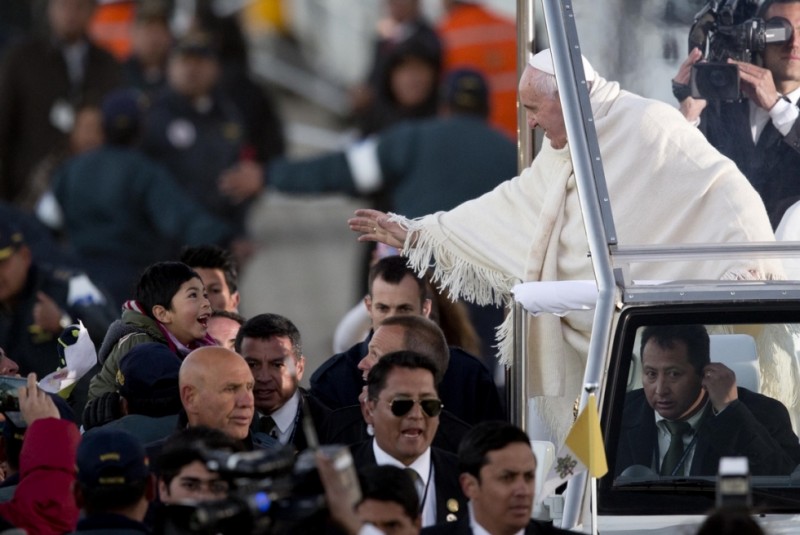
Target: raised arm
(374, 225)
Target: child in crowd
(170, 307)
(219, 273)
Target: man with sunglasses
(403, 407)
(401, 333)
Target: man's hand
(35, 404)
(374, 225)
(720, 383)
(691, 108)
(243, 181)
(47, 314)
(758, 85)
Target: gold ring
(374, 230)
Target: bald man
(216, 388)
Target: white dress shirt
(285, 418)
(664, 438)
(425, 487)
(783, 115)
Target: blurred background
(310, 58)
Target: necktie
(266, 425)
(415, 477)
(675, 450)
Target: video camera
(272, 492)
(729, 29)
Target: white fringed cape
(667, 185)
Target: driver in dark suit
(690, 413)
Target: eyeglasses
(431, 406)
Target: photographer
(761, 133)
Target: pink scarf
(173, 343)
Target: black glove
(681, 91)
(102, 410)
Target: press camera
(272, 492)
(729, 29)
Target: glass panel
(720, 388)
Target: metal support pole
(595, 204)
(516, 375)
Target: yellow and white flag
(583, 450)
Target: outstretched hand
(374, 225)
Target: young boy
(170, 307)
(218, 271)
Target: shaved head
(216, 388)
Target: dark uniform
(196, 146)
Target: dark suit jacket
(347, 426)
(755, 426)
(445, 477)
(467, 388)
(319, 412)
(770, 166)
(462, 528)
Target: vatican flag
(583, 450)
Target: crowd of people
(146, 170)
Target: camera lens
(719, 78)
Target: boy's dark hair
(213, 257)
(376, 379)
(185, 446)
(160, 282)
(386, 483)
(695, 337)
(267, 326)
(483, 438)
(394, 269)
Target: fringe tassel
(504, 334)
(460, 278)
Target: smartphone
(9, 398)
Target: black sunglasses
(431, 407)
